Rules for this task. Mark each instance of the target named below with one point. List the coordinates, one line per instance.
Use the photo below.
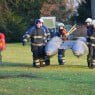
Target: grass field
(18, 77)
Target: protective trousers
(38, 55)
(47, 60)
(61, 55)
(91, 56)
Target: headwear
(41, 20)
(60, 24)
(88, 20)
(37, 21)
(93, 23)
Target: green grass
(18, 77)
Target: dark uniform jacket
(89, 33)
(37, 36)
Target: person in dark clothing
(92, 47)
(89, 34)
(37, 35)
(47, 38)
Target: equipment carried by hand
(71, 30)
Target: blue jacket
(47, 32)
(89, 31)
(33, 31)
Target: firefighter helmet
(61, 24)
(93, 23)
(41, 20)
(88, 20)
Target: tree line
(16, 16)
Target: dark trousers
(38, 54)
(47, 60)
(91, 56)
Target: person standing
(37, 35)
(61, 52)
(89, 27)
(92, 48)
(47, 38)
(2, 45)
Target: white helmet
(41, 20)
(93, 23)
(88, 20)
(60, 24)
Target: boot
(42, 63)
(47, 61)
(36, 63)
(61, 56)
(91, 64)
(61, 61)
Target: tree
(17, 15)
(62, 9)
(56, 8)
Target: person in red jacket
(2, 45)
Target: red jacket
(2, 41)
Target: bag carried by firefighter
(2, 41)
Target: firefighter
(47, 38)
(46, 30)
(37, 35)
(92, 41)
(88, 22)
(61, 52)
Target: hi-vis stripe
(37, 44)
(93, 61)
(36, 61)
(88, 43)
(37, 37)
(45, 34)
(93, 45)
(92, 37)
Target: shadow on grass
(9, 64)
(8, 76)
(75, 66)
(70, 66)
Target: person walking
(36, 34)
